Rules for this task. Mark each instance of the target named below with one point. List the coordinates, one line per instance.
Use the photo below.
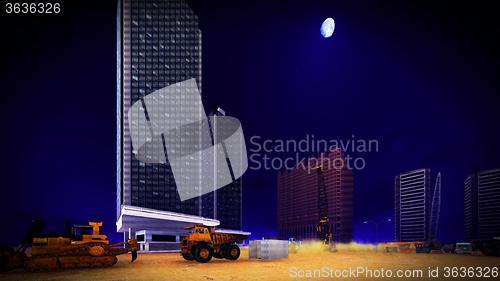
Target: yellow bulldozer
(85, 246)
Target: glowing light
(327, 27)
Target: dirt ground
(307, 264)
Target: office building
(417, 206)
(298, 200)
(159, 44)
(481, 201)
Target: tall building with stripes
(417, 206)
(481, 205)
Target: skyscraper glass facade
(159, 44)
(298, 202)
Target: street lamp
(376, 226)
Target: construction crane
(323, 230)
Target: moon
(327, 27)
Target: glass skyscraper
(159, 44)
(298, 200)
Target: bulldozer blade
(134, 255)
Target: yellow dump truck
(203, 243)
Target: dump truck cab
(200, 233)
(203, 242)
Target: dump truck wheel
(233, 252)
(187, 257)
(203, 253)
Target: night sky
(420, 77)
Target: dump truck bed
(219, 238)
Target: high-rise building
(298, 200)
(481, 201)
(417, 206)
(159, 44)
(470, 208)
